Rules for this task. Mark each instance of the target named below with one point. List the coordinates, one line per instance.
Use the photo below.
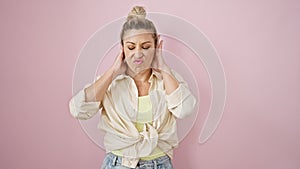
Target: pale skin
(136, 58)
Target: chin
(140, 69)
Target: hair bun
(137, 12)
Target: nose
(138, 52)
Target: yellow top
(144, 116)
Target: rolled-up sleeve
(81, 109)
(181, 102)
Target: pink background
(258, 44)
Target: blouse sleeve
(81, 109)
(181, 102)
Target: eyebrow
(142, 43)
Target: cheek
(127, 54)
(150, 54)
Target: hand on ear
(119, 66)
(158, 62)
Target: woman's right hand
(119, 66)
(96, 91)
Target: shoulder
(119, 81)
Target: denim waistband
(157, 161)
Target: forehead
(139, 35)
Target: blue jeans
(112, 161)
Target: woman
(140, 98)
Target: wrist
(112, 72)
(165, 69)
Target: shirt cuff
(180, 102)
(81, 109)
(175, 98)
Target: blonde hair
(136, 19)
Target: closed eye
(146, 47)
(131, 48)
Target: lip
(138, 61)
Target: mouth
(138, 61)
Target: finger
(158, 38)
(159, 47)
(121, 53)
(160, 44)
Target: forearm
(96, 91)
(170, 82)
(180, 101)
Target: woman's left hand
(158, 62)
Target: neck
(142, 76)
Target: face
(139, 49)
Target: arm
(170, 82)
(96, 91)
(180, 100)
(87, 102)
